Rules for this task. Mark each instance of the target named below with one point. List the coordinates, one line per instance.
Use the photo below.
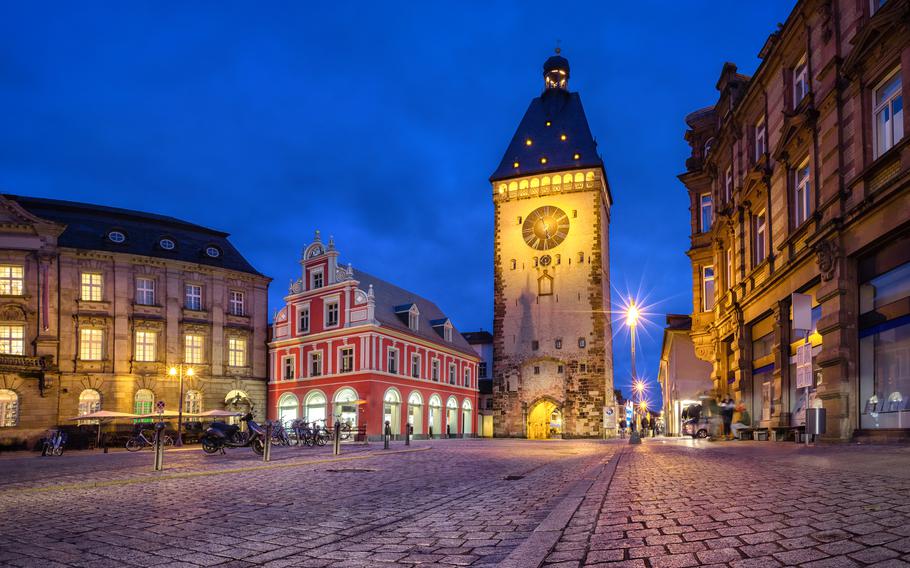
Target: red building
(351, 345)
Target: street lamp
(174, 372)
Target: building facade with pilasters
(96, 303)
(351, 346)
(799, 182)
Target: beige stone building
(552, 340)
(798, 182)
(97, 303)
(683, 378)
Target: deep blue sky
(377, 123)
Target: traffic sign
(159, 407)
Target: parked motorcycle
(220, 435)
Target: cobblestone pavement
(745, 504)
(447, 502)
(514, 503)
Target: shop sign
(804, 366)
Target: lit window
(331, 313)
(12, 280)
(728, 184)
(760, 139)
(800, 82)
(90, 344)
(347, 359)
(393, 361)
(315, 363)
(707, 288)
(236, 303)
(145, 291)
(9, 408)
(89, 401)
(801, 194)
(759, 232)
(192, 402)
(543, 160)
(193, 297)
(12, 340)
(888, 114)
(303, 322)
(91, 286)
(415, 366)
(145, 346)
(143, 401)
(576, 156)
(707, 212)
(236, 352)
(192, 349)
(288, 368)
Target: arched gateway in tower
(553, 367)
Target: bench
(760, 434)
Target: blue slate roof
(566, 116)
(88, 225)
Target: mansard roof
(88, 227)
(554, 113)
(389, 298)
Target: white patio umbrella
(216, 414)
(104, 416)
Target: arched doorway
(452, 416)
(435, 419)
(391, 411)
(544, 420)
(415, 413)
(288, 408)
(346, 406)
(314, 407)
(237, 401)
(466, 419)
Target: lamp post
(632, 315)
(174, 372)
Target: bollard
(407, 435)
(448, 430)
(159, 447)
(267, 448)
(386, 435)
(634, 438)
(430, 432)
(336, 445)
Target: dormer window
(447, 332)
(116, 237)
(167, 244)
(414, 319)
(212, 252)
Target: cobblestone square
(464, 503)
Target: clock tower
(553, 359)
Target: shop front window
(884, 350)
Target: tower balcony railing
(528, 188)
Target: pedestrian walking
(622, 428)
(644, 426)
(726, 413)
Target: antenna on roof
(558, 49)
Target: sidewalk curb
(534, 550)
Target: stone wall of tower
(578, 309)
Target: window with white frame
(728, 184)
(707, 288)
(192, 297)
(707, 212)
(236, 305)
(287, 368)
(331, 313)
(12, 339)
(801, 192)
(467, 377)
(447, 332)
(413, 319)
(888, 113)
(192, 348)
(761, 145)
(800, 81)
(91, 286)
(415, 366)
(453, 371)
(192, 402)
(145, 291)
(315, 364)
(91, 342)
(303, 319)
(317, 280)
(12, 280)
(759, 232)
(9, 408)
(236, 352)
(146, 346)
(434, 370)
(393, 360)
(347, 359)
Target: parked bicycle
(141, 440)
(53, 443)
(279, 434)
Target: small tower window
(513, 263)
(559, 343)
(535, 345)
(536, 370)
(582, 343)
(581, 257)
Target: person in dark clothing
(622, 428)
(726, 413)
(644, 426)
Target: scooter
(220, 435)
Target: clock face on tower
(545, 227)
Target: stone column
(780, 410)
